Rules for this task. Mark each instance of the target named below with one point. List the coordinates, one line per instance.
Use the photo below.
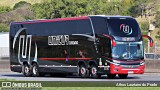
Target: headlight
(115, 62)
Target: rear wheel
(93, 72)
(111, 76)
(83, 71)
(26, 70)
(123, 76)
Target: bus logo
(24, 48)
(61, 40)
(126, 29)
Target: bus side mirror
(149, 38)
(111, 38)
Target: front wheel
(93, 72)
(123, 76)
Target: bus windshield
(127, 50)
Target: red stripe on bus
(53, 20)
(65, 58)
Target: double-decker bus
(90, 46)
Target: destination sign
(128, 39)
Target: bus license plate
(130, 71)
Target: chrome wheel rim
(34, 70)
(94, 70)
(26, 69)
(83, 70)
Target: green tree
(4, 28)
(144, 27)
(138, 6)
(60, 8)
(158, 35)
(157, 23)
(70, 8)
(48, 9)
(4, 9)
(125, 6)
(119, 7)
(20, 4)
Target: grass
(11, 3)
(92, 88)
(4, 79)
(101, 88)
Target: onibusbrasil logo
(18, 84)
(126, 29)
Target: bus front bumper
(119, 69)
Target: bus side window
(99, 25)
(83, 27)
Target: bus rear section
(89, 46)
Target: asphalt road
(131, 77)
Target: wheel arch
(34, 62)
(92, 62)
(25, 62)
(82, 62)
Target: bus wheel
(111, 76)
(93, 72)
(123, 76)
(83, 72)
(35, 71)
(26, 70)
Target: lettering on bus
(61, 40)
(128, 38)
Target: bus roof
(70, 18)
(51, 20)
(111, 16)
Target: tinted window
(123, 27)
(64, 27)
(83, 27)
(100, 25)
(60, 28)
(37, 29)
(72, 27)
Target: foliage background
(20, 10)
